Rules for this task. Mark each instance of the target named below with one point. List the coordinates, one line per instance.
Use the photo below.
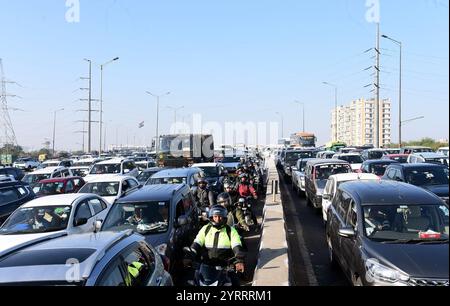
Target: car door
(132, 183)
(82, 211)
(181, 232)
(338, 221)
(99, 208)
(69, 187)
(349, 246)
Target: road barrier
(272, 268)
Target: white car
(355, 159)
(55, 163)
(333, 184)
(116, 166)
(110, 187)
(428, 157)
(26, 164)
(443, 151)
(45, 174)
(53, 215)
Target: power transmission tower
(9, 136)
(378, 129)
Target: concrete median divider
(273, 264)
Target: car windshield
(103, 189)
(49, 188)
(80, 172)
(352, 159)
(32, 220)
(50, 164)
(427, 176)
(378, 169)
(438, 161)
(144, 217)
(401, 159)
(294, 156)
(406, 223)
(323, 172)
(106, 169)
(210, 171)
(166, 180)
(144, 176)
(34, 178)
(375, 154)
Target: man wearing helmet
(202, 194)
(236, 216)
(217, 243)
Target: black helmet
(202, 181)
(218, 210)
(224, 199)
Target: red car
(401, 158)
(61, 185)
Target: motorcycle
(246, 205)
(212, 276)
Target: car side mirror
(347, 232)
(80, 221)
(97, 225)
(182, 220)
(126, 171)
(327, 197)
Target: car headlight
(379, 272)
(161, 249)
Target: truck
(303, 140)
(335, 146)
(184, 150)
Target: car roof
(113, 161)
(353, 177)
(317, 161)
(348, 154)
(206, 165)
(47, 170)
(380, 161)
(385, 192)
(152, 193)
(56, 200)
(93, 245)
(429, 155)
(396, 155)
(180, 172)
(153, 169)
(110, 178)
(416, 165)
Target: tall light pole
(54, 128)
(101, 102)
(399, 90)
(282, 124)
(90, 105)
(336, 107)
(157, 117)
(303, 104)
(175, 109)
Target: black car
(166, 215)
(12, 196)
(377, 166)
(147, 173)
(432, 177)
(13, 172)
(389, 234)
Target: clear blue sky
(233, 60)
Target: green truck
(183, 150)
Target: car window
(83, 212)
(138, 268)
(8, 195)
(57, 174)
(132, 183)
(77, 182)
(352, 216)
(343, 204)
(69, 187)
(113, 276)
(97, 205)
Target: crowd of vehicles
(385, 211)
(148, 214)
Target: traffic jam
(383, 212)
(132, 218)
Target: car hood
(418, 261)
(10, 242)
(439, 190)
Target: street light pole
(157, 118)
(54, 128)
(101, 101)
(303, 104)
(175, 109)
(336, 107)
(399, 89)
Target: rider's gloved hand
(240, 267)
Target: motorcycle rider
(230, 189)
(217, 243)
(203, 195)
(245, 189)
(236, 216)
